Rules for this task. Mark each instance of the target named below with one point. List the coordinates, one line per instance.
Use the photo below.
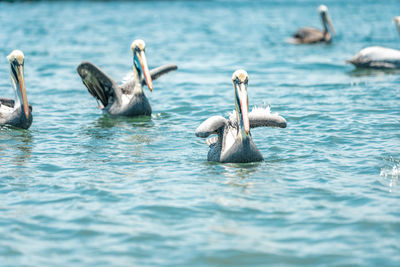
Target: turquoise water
(80, 188)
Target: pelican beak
(244, 107)
(141, 56)
(17, 72)
(329, 21)
(397, 21)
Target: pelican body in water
(378, 57)
(233, 142)
(310, 35)
(17, 113)
(129, 98)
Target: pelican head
(397, 21)
(326, 19)
(140, 63)
(16, 59)
(240, 79)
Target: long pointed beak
(22, 89)
(396, 20)
(145, 69)
(328, 19)
(244, 106)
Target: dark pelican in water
(311, 35)
(129, 98)
(234, 143)
(17, 113)
(378, 57)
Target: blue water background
(80, 188)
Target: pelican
(378, 57)
(311, 35)
(17, 113)
(233, 142)
(129, 98)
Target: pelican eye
(15, 62)
(14, 69)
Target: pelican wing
(212, 140)
(7, 102)
(210, 126)
(6, 109)
(157, 72)
(262, 117)
(99, 84)
(308, 35)
(128, 83)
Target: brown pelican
(16, 113)
(311, 35)
(234, 143)
(129, 98)
(378, 57)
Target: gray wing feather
(99, 84)
(212, 140)
(128, 83)
(308, 35)
(7, 102)
(157, 72)
(261, 117)
(128, 86)
(210, 126)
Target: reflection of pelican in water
(107, 121)
(378, 57)
(109, 127)
(15, 146)
(234, 143)
(127, 134)
(361, 72)
(16, 113)
(238, 173)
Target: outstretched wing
(261, 117)
(157, 72)
(210, 126)
(128, 83)
(99, 84)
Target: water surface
(81, 188)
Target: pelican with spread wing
(129, 98)
(17, 113)
(233, 142)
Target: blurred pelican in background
(378, 57)
(310, 35)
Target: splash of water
(391, 175)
